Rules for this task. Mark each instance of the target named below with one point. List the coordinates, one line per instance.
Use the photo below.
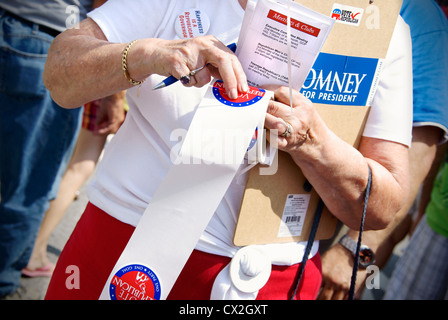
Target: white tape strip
(182, 206)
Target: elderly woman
(85, 64)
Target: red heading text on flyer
(306, 28)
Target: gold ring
(288, 130)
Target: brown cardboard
(265, 195)
(365, 41)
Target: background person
(421, 273)
(37, 137)
(100, 118)
(429, 31)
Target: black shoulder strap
(313, 231)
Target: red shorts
(98, 240)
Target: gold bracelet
(124, 65)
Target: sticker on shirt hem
(135, 282)
(347, 14)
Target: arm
(83, 66)
(339, 172)
(421, 158)
(72, 85)
(337, 262)
(428, 183)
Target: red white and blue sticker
(244, 99)
(253, 141)
(192, 23)
(347, 14)
(135, 282)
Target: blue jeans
(37, 138)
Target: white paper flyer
(265, 34)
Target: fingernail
(233, 94)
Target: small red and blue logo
(347, 14)
(135, 282)
(336, 14)
(244, 99)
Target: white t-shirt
(138, 157)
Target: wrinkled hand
(337, 267)
(303, 119)
(180, 57)
(110, 115)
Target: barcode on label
(292, 219)
(294, 214)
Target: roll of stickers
(214, 148)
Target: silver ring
(288, 130)
(186, 79)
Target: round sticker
(244, 99)
(192, 23)
(135, 282)
(253, 141)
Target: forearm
(82, 66)
(337, 171)
(339, 174)
(421, 158)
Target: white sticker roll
(183, 204)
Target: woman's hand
(111, 114)
(179, 57)
(296, 126)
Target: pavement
(35, 288)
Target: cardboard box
(267, 198)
